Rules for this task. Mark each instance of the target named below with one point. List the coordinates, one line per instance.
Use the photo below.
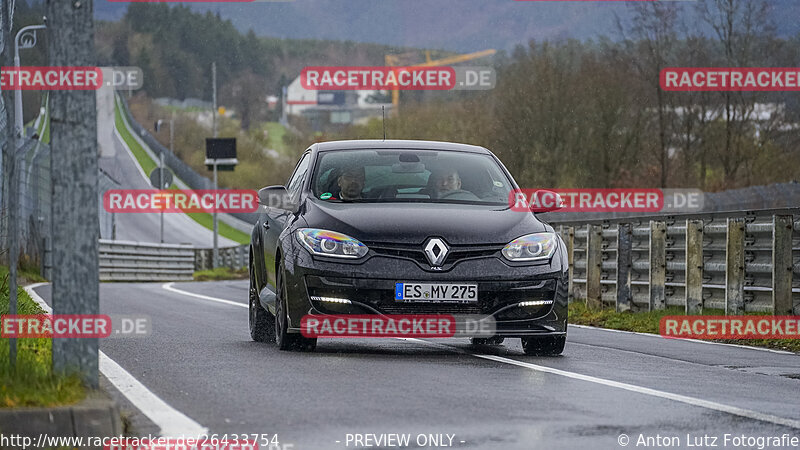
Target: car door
(277, 219)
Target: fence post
(594, 265)
(570, 259)
(694, 266)
(734, 266)
(658, 264)
(624, 248)
(782, 264)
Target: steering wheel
(459, 192)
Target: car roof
(397, 144)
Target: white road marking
(170, 421)
(39, 300)
(168, 286)
(693, 401)
(699, 341)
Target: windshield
(425, 176)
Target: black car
(356, 219)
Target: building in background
(329, 110)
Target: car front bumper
(369, 287)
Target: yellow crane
(401, 60)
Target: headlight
(531, 247)
(330, 243)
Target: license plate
(436, 292)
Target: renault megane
(404, 227)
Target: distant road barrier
(737, 261)
(141, 261)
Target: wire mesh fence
(32, 188)
(34, 193)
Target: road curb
(95, 416)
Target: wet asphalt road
(200, 360)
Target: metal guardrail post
(243, 256)
(570, 259)
(594, 268)
(782, 227)
(624, 265)
(694, 266)
(658, 265)
(734, 266)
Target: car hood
(413, 223)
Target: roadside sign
(221, 152)
(220, 148)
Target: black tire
(544, 346)
(494, 340)
(262, 323)
(287, 341)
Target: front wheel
(284, 339)
(544, 346)
(262, 323)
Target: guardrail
(140, 261)
(231, 257)
(737, 261)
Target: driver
(351, 183)
(443, 182)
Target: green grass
(275, 135)
(45, 134)
(31, 382)
(147, 164)
(207, 220)
(221, 273)
(648, 322)
(144, 160)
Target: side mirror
(543, 201)
(276, 197)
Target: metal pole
(18, 93)
(214, 114)
(13, 187)
(214, 97)
(216, 247)
(172, 134)
(160, 187)
(20, 126)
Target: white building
(326, 109)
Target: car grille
(456, 254)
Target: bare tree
(651, 39)
(740, 27)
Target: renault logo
(436, 251)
